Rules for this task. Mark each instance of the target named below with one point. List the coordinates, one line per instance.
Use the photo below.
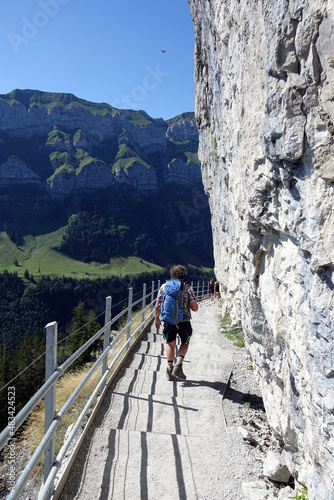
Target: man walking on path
(178, 324)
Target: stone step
(164, 414)
(152, 355)
(148, 465)
(153, 382)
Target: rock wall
(264, 75)
(14, 172)
(68, 145)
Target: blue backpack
(171, 306)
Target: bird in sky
(163, 51)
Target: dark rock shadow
(217, 386)
(251, 400)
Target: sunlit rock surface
(264, 74)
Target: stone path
(155, 439)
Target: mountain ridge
(64, 123)
(61, 155)
(52, 99)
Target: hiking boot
(178, 372)
(169, 373)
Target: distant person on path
(217, 291)
(172, 328)
(212, 288)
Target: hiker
(217, 291)
(212, 288)
(175, 323)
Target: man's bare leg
(178, 371)
(170, 350)
(183, 350)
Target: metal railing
(139, 316)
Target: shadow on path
(252, 400)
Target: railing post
(128, 333)
(106, 339)
(152, 295)
(203, 290)
(197, 290)
(143, 303)
(50, 397)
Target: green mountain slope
(83, 182)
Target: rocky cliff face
(67, 145)
(133, 183)
(14, 172)
(264, 75)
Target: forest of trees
(94, 237)
(29, 360)
(12, 232)
(158, 228)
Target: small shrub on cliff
(301, 494)
(237, 336)
(234, 334)
(225, 321)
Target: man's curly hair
(178, 272)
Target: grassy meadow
(38, 256)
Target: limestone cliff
(14, 172)
(132, 182)
(264, 74)
(71, 145)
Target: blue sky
(102, 51)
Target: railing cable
(24, 369)
(78, 330)
(43, 353)
(120, 302)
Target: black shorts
(183, 330)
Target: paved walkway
(158, 440)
